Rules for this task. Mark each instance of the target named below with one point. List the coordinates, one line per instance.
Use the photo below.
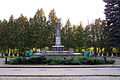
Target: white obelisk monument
(58, 46)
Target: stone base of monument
(53, 53)
(58, 48)
(57, 53)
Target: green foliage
(19, 60)
(52, 63)
(68, 35)
(60, 60)
(1, 56)
(112, 11)
(38, 32)
(96, 35)
(110, 61)
(68, 60)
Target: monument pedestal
(58, 48)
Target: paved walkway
(59, 73)
(60, 78)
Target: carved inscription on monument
(58, 41)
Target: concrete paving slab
(60, 78)
(59, 72)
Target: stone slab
(61, 78)
(57, 53)
(58, 46)
(61, 71)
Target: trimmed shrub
(68, 60)
(109, 61)
(48, 60)
(52, 63)
(60, 60)
(19, 60)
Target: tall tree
(68, 35)
(4, 36)
(87, 35)
(79, 37)
(98, 34)
(52, 26)
(38, 26)
(12, 35)
(112, 13)
(21, 31)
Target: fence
(98, 55)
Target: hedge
(60, 60)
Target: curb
(28, 66)
(59, 75)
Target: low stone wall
(62, 55)
(57, 52)
(54, 53)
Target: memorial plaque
(58, 41)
